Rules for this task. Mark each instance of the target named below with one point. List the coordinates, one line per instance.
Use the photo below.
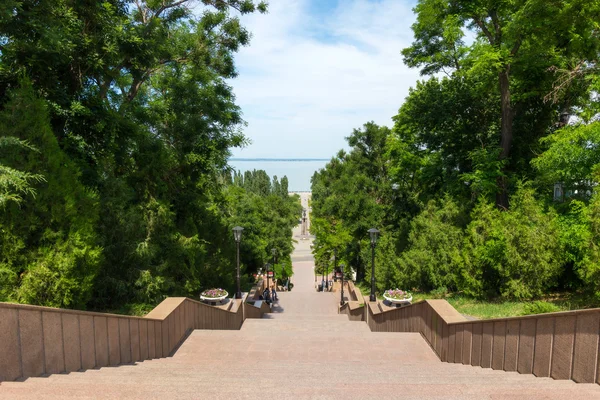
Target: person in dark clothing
(267, 295)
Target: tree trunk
(506, 134)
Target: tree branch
(167, 6)
(516, 47)
(497, 29)
(142, 11)
(485, 30)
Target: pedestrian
(274, 294)
(267, 296)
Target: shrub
(539, 307)
(433, 258)
(439, 293)
(514, 253)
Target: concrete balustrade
(562, 345)
(37, 341)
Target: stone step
(302, 375)
(307, 317)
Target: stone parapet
(38, 341)
(563, 345)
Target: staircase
(303, 350)
(295, 354)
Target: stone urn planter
(213, 296)
(397, 297)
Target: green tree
(350, 195)
(572, 158)
(50, 251)
(433, 257)
(514, 254)
(141, 123)
(516, 43)
(14, 183)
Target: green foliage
(350, 196)
(517, 46)
(540, 307)
(583, 243)
(14, 183)
(433, 257)
(515, 253)
(52, 255)
(133, 121)
(268, 216)
(487, 169)
(387, 274)
(571, 157)
(438, 184)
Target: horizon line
(276, 159)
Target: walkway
(303, 351)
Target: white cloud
(309, 78)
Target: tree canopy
(116, 124)
(462, 186)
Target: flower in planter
(214, 293)
(397, 294)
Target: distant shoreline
(279, 159)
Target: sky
(317, 69)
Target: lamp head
(373, 234)
(237, 233)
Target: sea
(298, 170)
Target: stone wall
(36, 341)
(558, 345)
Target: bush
(514, 253)
(439, 293)
(433, 258)
(588, 265)
(540, 307)
(49, 251)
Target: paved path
(302, 351)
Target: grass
(487, 309)
(137, 309)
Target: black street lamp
(237, 235)
(342, 295)
(274, 252)
(267, 265)
(373, 235)
(303, 229)
(334, 261)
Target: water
(298, 171)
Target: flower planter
(213, 300)
(398, 302)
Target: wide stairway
(298, 355)
(303, 350)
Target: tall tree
(516, 42)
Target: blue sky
(315, 70)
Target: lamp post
(342, 295)
(274, 252)
(334, 261)
(267, 269)
(322, 278)
(373, 235)
(303, 231)
(237, 235)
